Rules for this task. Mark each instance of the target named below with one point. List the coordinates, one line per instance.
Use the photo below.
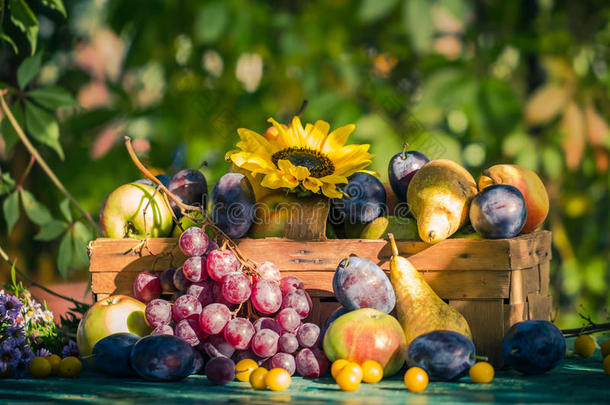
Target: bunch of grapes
(223, 312)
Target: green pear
(418, 308)
(439, 196)
(402, 228)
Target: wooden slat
(523, 282)
(544, 271)
(514, 313)
(114, 255)
(486, 321)
(530, 249)
(540, 306)
(448, 285)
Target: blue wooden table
(577, 381)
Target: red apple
(367, 334)
(530, 185)
(118, 313)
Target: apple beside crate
(493, 283)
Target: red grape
(216, 346)
(163, 330)
(289, 284)
(193, 242)
(212, 246)
(177, 295)
(189, 330)
(236, 287)
(180, 281)
(194, 269)
(265, 343)
(283, 360)
(266, 297)
(167, 281)
(147, 286)
(247, 354)
(219, 298)
(186, 307)
(269, 271)
(214, 318)
(288, 319)
(238, 333)
(311, 363)
(202, 291)
(220, 370)
(288, 343)
(299, 300)
(220, 263)
(267, 323)
(158, 312)
(308, 334)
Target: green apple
(367, 334)
(118, 313)
(270, 215)
(134, 209)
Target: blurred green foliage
(485, 82)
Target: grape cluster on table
(207, 292)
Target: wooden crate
(493, 283)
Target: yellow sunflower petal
(284, 138)
(316, 134)
(255, 143)
(252, 162)
(298, 132)
(312, 184)
(300, 172)
(348, 170)
(274, 181)
(337, 138)
(330, 190)
(334, 179)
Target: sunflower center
(318, 164)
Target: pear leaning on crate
(439, 197)
(418, 308)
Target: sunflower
(307, 158)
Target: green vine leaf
(82, 236)
(8, 39)
(43, 127)
(51, 230)
(7, 184)
(64, 256)
(24, 19)
(38, 213)
(53, 97)
(8, 132)
(28, 69)
(64, 207)
(56, 5)
(10, 207)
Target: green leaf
(38, 213)
(82, 237)
(7, 184)
(64, 206)
(28, 69)
(14, 275)
(53, 97)
(9, 40)
(24, 19)
(56, 5)
(417, 21)
(51, 230)
(8, 132)
(211, 21)
(10, 207)
(43, 127)
(371, 10)
(64, 256)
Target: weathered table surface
(577, 381)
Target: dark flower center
(319, 165)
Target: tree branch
(34, 152)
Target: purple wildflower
(71, 349)
(16, 334)
(9, 356)
(12, 306)
(20, 369)
(42, 352)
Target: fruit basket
(494, 283)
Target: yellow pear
(418, 308)
(439, 197)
